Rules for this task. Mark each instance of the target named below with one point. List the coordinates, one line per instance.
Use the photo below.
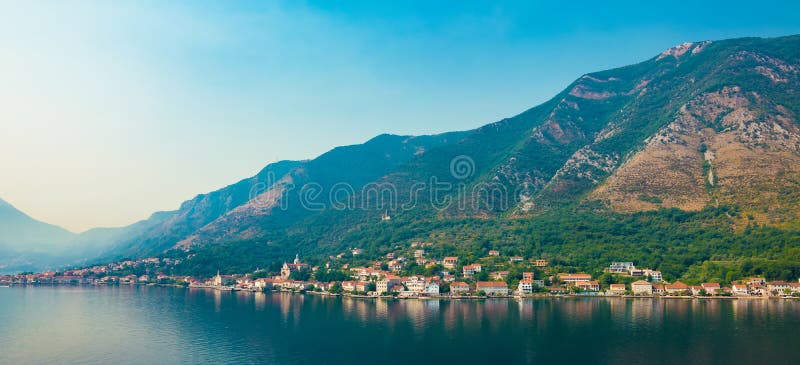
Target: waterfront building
(459, 288)
(616, 289)
(642, 287)
(677, 288)
(525, 286)
(492, 288)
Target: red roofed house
(572, 278)
(590, 285)
(677, 288)
(739, 289)
(458, 288)
(711, 288)
(617, 289)
(349, 286)
(525, 286)
(778, 287)
(492, 288)
(469, 270)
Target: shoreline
(437, 297)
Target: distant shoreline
(438, 297)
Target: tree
(433, 270)
(301, 275)
(327, 276)
(607, 279)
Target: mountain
(29, 244)
(701, 124)
(237, 210)
(692, 152)
(20, 232)
(708, 128)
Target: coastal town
(495, 275)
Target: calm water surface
(152, 325)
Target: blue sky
(113, 110)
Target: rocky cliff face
(702, 124)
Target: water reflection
(167, 325)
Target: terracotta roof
(491, 284)
(678, 285)
(575, 276)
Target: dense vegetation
(691, 246)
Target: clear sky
(111, 110)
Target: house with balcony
(450, 262)
(459, 288)
(620, 267)
(525, 286)
(469, 270)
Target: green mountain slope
(710, 128)
(238, 210)
(687, 159)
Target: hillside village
(495, 275)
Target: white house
(620, 267)
(525, 286)
(739, 289)
(432, 288)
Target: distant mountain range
(19, 231)
(701, 125)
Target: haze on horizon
(114, 110)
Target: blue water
(154, 325)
